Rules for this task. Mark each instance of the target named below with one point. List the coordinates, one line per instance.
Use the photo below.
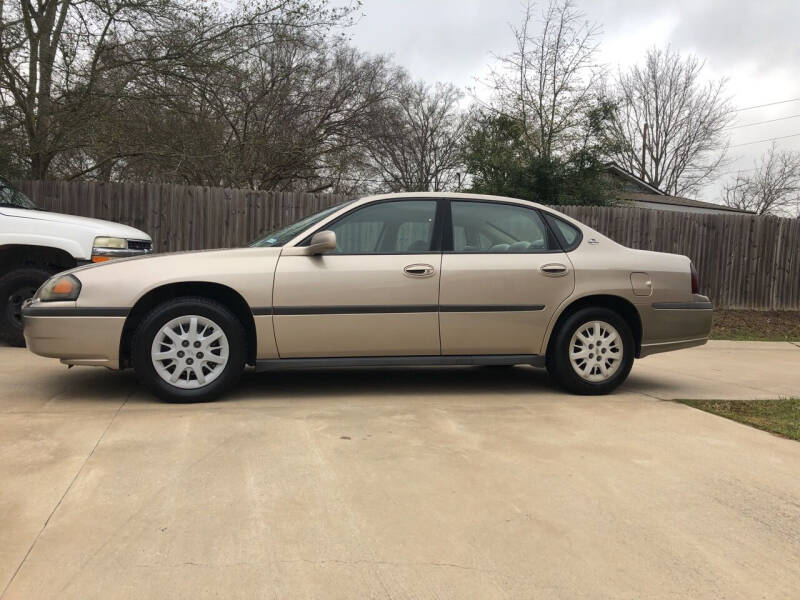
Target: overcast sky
(755, 44)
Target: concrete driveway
(410, 483)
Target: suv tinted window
(495, 227)
(10, 196)
(398, 227)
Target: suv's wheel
(189, 350)
(592, 352)
(16, 287)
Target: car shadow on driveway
(393, 381)
(100, 387)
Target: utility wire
(763, 122)
(767, 104)
(783, 137)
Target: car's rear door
(503, 276)
(376, 295)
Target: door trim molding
(393, 309)
(273, 364)
(490, 307)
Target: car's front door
(375, 295)
(503, 276)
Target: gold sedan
(401, 279)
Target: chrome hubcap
(190, 352)
(595, 351)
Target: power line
(783, 137)
(763, 122)
(767, 104)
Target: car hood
(164, 260)
(98, 226)
(119, 283)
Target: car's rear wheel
(189, 350)
(16, 287)
(592, 352)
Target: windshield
(10, 196)
(279, 237)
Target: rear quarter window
(568, 235)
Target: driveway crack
(69, 487)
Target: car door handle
(419, 270)
(554, 269)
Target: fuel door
(642, 284)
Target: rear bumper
(76, 340)
(670, 326)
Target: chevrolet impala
(399, 279)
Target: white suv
(35, 244)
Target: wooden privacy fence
(180, 217)
(744, 261)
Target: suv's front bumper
(135, 248)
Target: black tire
(558, 356)
(184, 306)
(16, 287)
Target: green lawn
(776, 416)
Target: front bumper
(670, 326)
(106, 254)
(76, 340)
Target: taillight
(695, 279)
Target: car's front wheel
(189, 349)
(592, 352)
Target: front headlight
(61, 287)
(110, 242)
(106, 248)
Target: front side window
(398, 227)
(495, 227)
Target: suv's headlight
(106, 248)
(61, 287)
(110, 242)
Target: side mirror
(321, 242)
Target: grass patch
(781, 416)
(757, 325)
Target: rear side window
(496, 227)
(569, 235)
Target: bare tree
(771, 188)
(669, 126)
(64, 63)
(288, 115)
(414, 142)
(550, 82)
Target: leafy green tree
(498, 160)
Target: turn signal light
(63, 287)
(97, 259)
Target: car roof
(450, 195)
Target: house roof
(617, 170)
(656, 196)
(678, 201)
